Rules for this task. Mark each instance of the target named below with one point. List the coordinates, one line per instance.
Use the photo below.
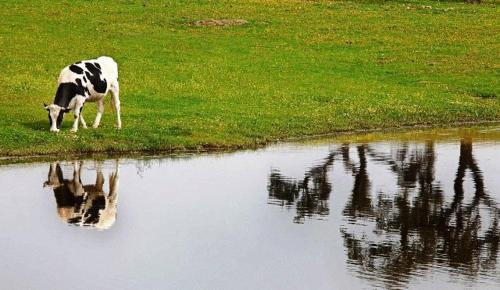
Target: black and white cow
(81, 82)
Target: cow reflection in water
(84, 205)
(393, 234)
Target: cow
(81, 82)
(85, 205)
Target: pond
(414, 210)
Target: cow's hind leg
(115, 98)
(100, 110)
(76, 186)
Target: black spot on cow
(63, 195)
(93, 67)
(76, 69)
(65, 93)
(74, 221)
(94, 76)
(93, 213)
(84, 79)
(78, 62)
(80, 88)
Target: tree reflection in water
(309, 195)
(360, 203)
(409, 229)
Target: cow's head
(56, 114)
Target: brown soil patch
(219, 22)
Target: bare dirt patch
(219, 22)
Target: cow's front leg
(78, 189)
(84, 125)
(77, 110)
(55, 177)
(74, 129)
(100, 110)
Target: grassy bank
(296, 68)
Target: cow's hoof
(73, 130)
(54, 131)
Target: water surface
(412, 211)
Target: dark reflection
(392, 234)
(84, 204)
(309, 195)
(360, 203)
(408, 220)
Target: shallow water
(411, 212)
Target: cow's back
(109, 68)
(66, 76)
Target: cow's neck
(65, 93)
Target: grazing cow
(85, 81)
(84, 205)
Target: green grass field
(296, 68)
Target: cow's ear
(45, 106)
